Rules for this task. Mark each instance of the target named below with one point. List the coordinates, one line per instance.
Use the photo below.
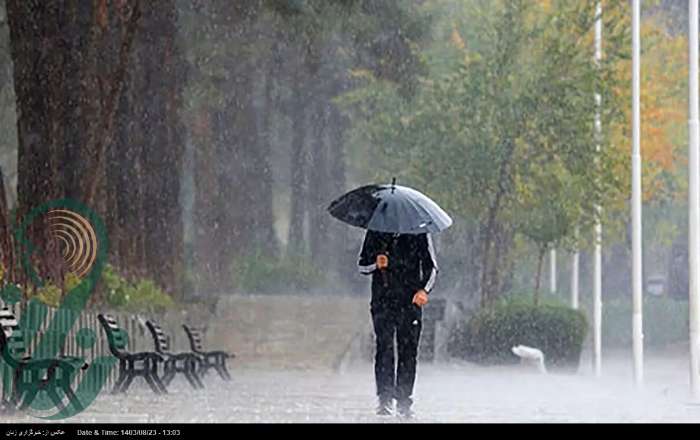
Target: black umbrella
(390, 208)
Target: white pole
(694, 201)
(597, 251)
(553, 271)
(637, 336)
(574, 277)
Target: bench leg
(203, 366)
(29, 396)
(55, 398)
(192, 365)
(72, 398)
(17, 389)
(221, 368)
(188, 369)
(152, 383)
(168, 372)
(120, 381)
(125, 385)
(199, 381)
(222, 372)
(153, 373)
(191, 379)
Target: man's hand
(420, 298)
(382, 261)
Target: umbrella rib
(421, 209)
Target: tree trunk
(488, 266)
(124, 219)
(7, 250)
(295, 242)
(233, 183)
(345, 260)
(69, 62)
(319, 187)
(487, 244)
(501, 267)
(102, 132)
(265, 229)
(206, 208)
(472, 269)
(245, 192)
(163, 147)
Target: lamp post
(553, 271)
(598, 229)
(693, 200)
(574, 276)
(637, 336)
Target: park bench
(185, 363)
(131, 365)
(27, 375)
(207, 359)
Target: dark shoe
(404, 410)
(384, 408)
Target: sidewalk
(452, 392)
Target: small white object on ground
(530, 354)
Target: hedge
(490, 334)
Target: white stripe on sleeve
(433, 273)
(368, 269)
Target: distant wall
(288, 331)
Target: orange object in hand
(420, 298)
(382, 261)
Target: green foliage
(50, 294)
(550, 206)
(502, 132)
(71, 281)
(489, 335)
(526, 298)
(516, 101)
(117, 288)
(141, 296)
(258, 273)
(147, 296)
(665, 322)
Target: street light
(693, 200)
(574, 275)
(637, 341)
(597, 250)
(553, 271)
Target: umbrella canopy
(390, 208)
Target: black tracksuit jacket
(412, 266)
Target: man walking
(403, 270)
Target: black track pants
(403, 324)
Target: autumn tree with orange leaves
(502, 130)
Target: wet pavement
(454, 392)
